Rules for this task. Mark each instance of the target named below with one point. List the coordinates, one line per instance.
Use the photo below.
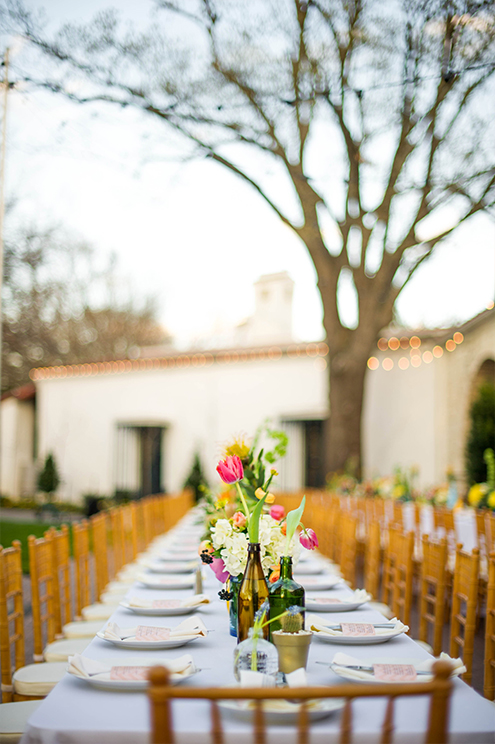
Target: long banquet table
(75, 713)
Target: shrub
(481, 434)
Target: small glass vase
(284, 593)
(233, 586)
(253, 591)
(256, 655)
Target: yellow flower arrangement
(238, 447)
(476, 493)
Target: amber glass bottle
(252, 593)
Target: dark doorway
(314, 471)
(151, 459)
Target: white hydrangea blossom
(220, 533)
(233, 544)
(234, 553)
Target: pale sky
(192, 234)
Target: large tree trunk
(343, 429)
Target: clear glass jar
(256, 655)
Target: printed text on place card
(394, 672)
(129, 672)
(326, 600)
(150, 633)
(357, 629)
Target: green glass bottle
(284, 593)
(252, 593)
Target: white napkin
(256, 679)
(81, 666)
(297, 678)
(193, 626)
(194, 601)
(344, 661)
(314, 623)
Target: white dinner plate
(308, 568)
(328, 604)
(288, 716)
(177, 556)
(163, 611)
(103, 681)
(131, 643)
(358, 640)
(178, 567)
(184, 581)
(319, 583)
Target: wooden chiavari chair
(65, 625)
(161, 695)
(19, 682)
(82, 564)
(489, 678)
(433, 585)
(372, 560)
(464, 603)
(348, 548)
(99, 533)
(403, 574)
(394, 547)
(43, 589)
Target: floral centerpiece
(241, 528)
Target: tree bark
(343, 428)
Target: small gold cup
(293, 649)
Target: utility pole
(5, 65)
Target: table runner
(75, 713)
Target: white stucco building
(135, 425)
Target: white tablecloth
(75, 713)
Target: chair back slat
(346, 723)
(259, 723)
(216, 724)
(388, 723)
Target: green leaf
(293, 519)
(254, 521)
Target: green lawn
(20, 531)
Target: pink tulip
(230, 470)
(308, 539)
(218, 567)
(239, 520)
(277, 512)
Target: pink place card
(128, 673)
(326, 600)
(170, 580)
(310, 580)
(150, 633)
(168, 604)
(357, 629)
(394, 672)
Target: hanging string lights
(416, 357)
